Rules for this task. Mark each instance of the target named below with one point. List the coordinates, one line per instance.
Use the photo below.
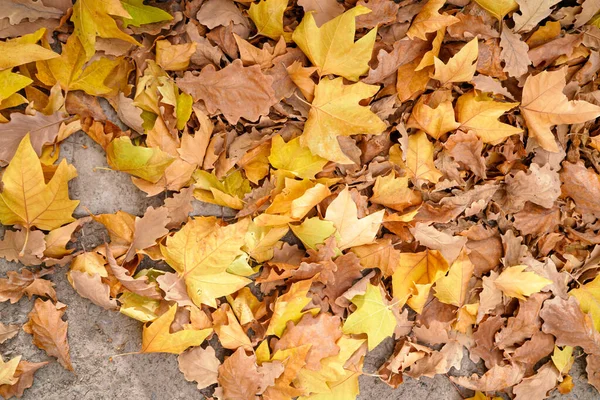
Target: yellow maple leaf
(288, 307)
(419, 159)
(435, 121)
(373, 316)
(10, 84)
(292, 157)
(335, 111)
(148, 163)
(313, 231)
(201, 253)
(23, 50)
(157, 337)
(479, 113)
(27, 200)
(514, 282)
(7, 371)
(394, 193)
(415, 274)
(329, 46)
(93, 18)
(544, 105)
(430, 20)
(588, 296)
(174, 57)
(227, 192)
(498, 8)
(352, 231)
(267, 15)
(452, 288)
(297, 198)
(68, 70)
(461, 67)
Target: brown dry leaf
(251, 97)
(25, 372)
(199, 365)
(8, 332)
(27, 283)
(496, 378)
(544, 105)
(324, 10)
(91, 287)
(538, 385)
(239, 377)
(593, 370)
(49, 331)
(514, 53)
(583, 186)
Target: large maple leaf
(544, 105)
(336, 111)
(26, 198)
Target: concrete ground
(95, 334)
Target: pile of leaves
(424, 172)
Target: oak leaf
(200, 365)
(544, 105)
(373, 316)
(24, 374)
(239, 377)
(328, 46)
(583, 186)
(496, 378)
(157, 337)
(228, 89)
(353, 231)
(514, 53)
(49, 330)
(336, 111)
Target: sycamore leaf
(49, 330)
(8, 369)
(201, 253)
(143, 14)
(479, 113)
(498, 8)
(328, 46)
(352, 231)
(148, 163)
(336, 111)
(68, 70)
(430, 20)
(313, 231)
(11, 83)
(24, 181)
(588, 296)
(419, 159)
(23, 50)
(531, 12)
(515, 283)
(461, 67)
(238, 376)
(563, 359)
(288, 307)
(292, 157)
(544, 105)
(267, 15)
(415, 274)
(157, 337)
(435, 121)
(373, 316)
(452, 288)
(174, 57)
(8, 332)
(394, 193)
(93, 18)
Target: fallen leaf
(49, 331)
(199, 365)
(514, 282)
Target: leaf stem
(22, 252)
